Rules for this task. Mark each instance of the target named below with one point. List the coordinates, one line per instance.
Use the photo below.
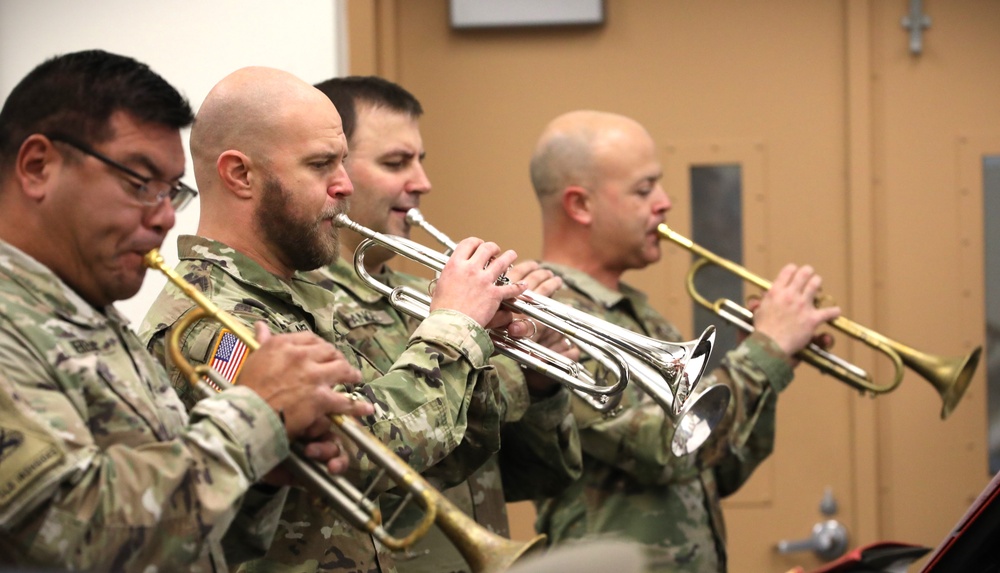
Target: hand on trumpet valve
(536, 279)
(540, 384)
(295, 374)
(469, 284)
(326, 448)
(788, 313)
(542, 282)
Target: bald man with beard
(268, 151)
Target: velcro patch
(364, 317)
(25, 454)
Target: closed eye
(322, 165)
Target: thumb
(261, 331)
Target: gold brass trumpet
(484, 551)
(949, 376)
(667, 371)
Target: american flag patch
(228, 355)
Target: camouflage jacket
(540, 433)
(422, 402)
(101, 466)
(632, 485)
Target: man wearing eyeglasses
(148, 190)
(101, 466)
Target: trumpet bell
(697, 353)
(699, 416)
(667, 372)
(697, 412)
(495, 554)
(949, 376)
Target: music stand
(974, 543)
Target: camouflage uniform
(101, 466)
(539, 434)
(632, 485)
(422, 402)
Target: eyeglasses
(148, 191)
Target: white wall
(191, 43)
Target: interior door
(847, 149)
(935, 116)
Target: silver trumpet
(629, 357)
(603, 397)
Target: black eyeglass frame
(179, 193)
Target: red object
(876, 558)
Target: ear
(578, 204)
(234, 170)
(36, 166)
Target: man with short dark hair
(101, 466)
(540, 449)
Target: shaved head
(268, 152)
(246, 111)
(597, 178)
(572, 149)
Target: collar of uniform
(594, 290)
(233, 262)
(43, 285)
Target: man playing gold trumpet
(597, 179)
(101, 466)
(385, 165)
(269, 153)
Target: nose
(341, 186)
(160, 217)
(419, 183)
(661, 201)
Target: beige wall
(862, 159)
(192, 44)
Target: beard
(302, 243)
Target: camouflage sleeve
(541, 454)
(196, 346)
(89, 491)
(514, 398)
(257, 517)
(756, 371)
(637, 440)
(422, 403)
(254, 526)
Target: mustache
(331, 212)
